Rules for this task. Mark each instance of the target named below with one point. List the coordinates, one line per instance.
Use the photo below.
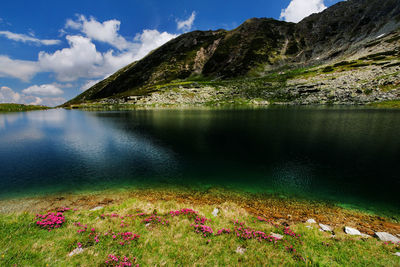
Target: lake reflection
(342, 154)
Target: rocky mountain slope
(349, 53)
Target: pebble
(387, 237)
(277, 236)
(75, 251)
(325, 228)
(215, 212)
(97, 208)
(311, 221)
(240, 250)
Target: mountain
(347, 54)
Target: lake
(348, 156)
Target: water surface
(346, 155)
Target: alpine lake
(345, 155)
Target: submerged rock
(387, 237)
(75, 251)
(311, 221)
(325, 228)
(352, 231)
(277, 236)
(215, 212)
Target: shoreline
(288, 210)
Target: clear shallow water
(347, 155)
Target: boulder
(311, 221)
(352, 231)
(325, 228)
(397, 254)
(97, 208)
(387, 237)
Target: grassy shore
(20, 107)
(174, 228)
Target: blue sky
(50, 51)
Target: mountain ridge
(258, 48)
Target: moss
(395, 104)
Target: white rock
(276, 236)
(387, 237)
(397, 254)
(240, 250)
(351, 231)
(311, 221)
(309, 226)
(215, 212)
(75, 251)
(97, 208)
(325, 228)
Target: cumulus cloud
(106, 31)
(82, 59)
(78, 60)
(186, 25)
(20, 69)
(7, 95)
(299, 9)
(26, 38)
(44, 90)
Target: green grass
(387, 104)
(20, 107)
(22, 243)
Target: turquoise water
(346, 155)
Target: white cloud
(186, 25)
(21, 69)
(7, 95)
(44, 90)
(26, 38)
(106, 32)
(79, 60)
(82, 59)
(299, 9)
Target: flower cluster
(248, 233)
(155, 219)
(122, 261)
(288, 231)
(201, 220)
(50, 220)
(83, 227)
(182, 211)
(203, 229)
(224, 231)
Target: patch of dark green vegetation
(20, 107)
(387, 104)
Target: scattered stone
(147, 224)
(387, 237)
(352, 231)
(240, 250)
(325, 228)
(309, 227)
(215, 212)
(397, 254)
(311, 221)
(277, 236)
(75, 252)
(97, 208)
